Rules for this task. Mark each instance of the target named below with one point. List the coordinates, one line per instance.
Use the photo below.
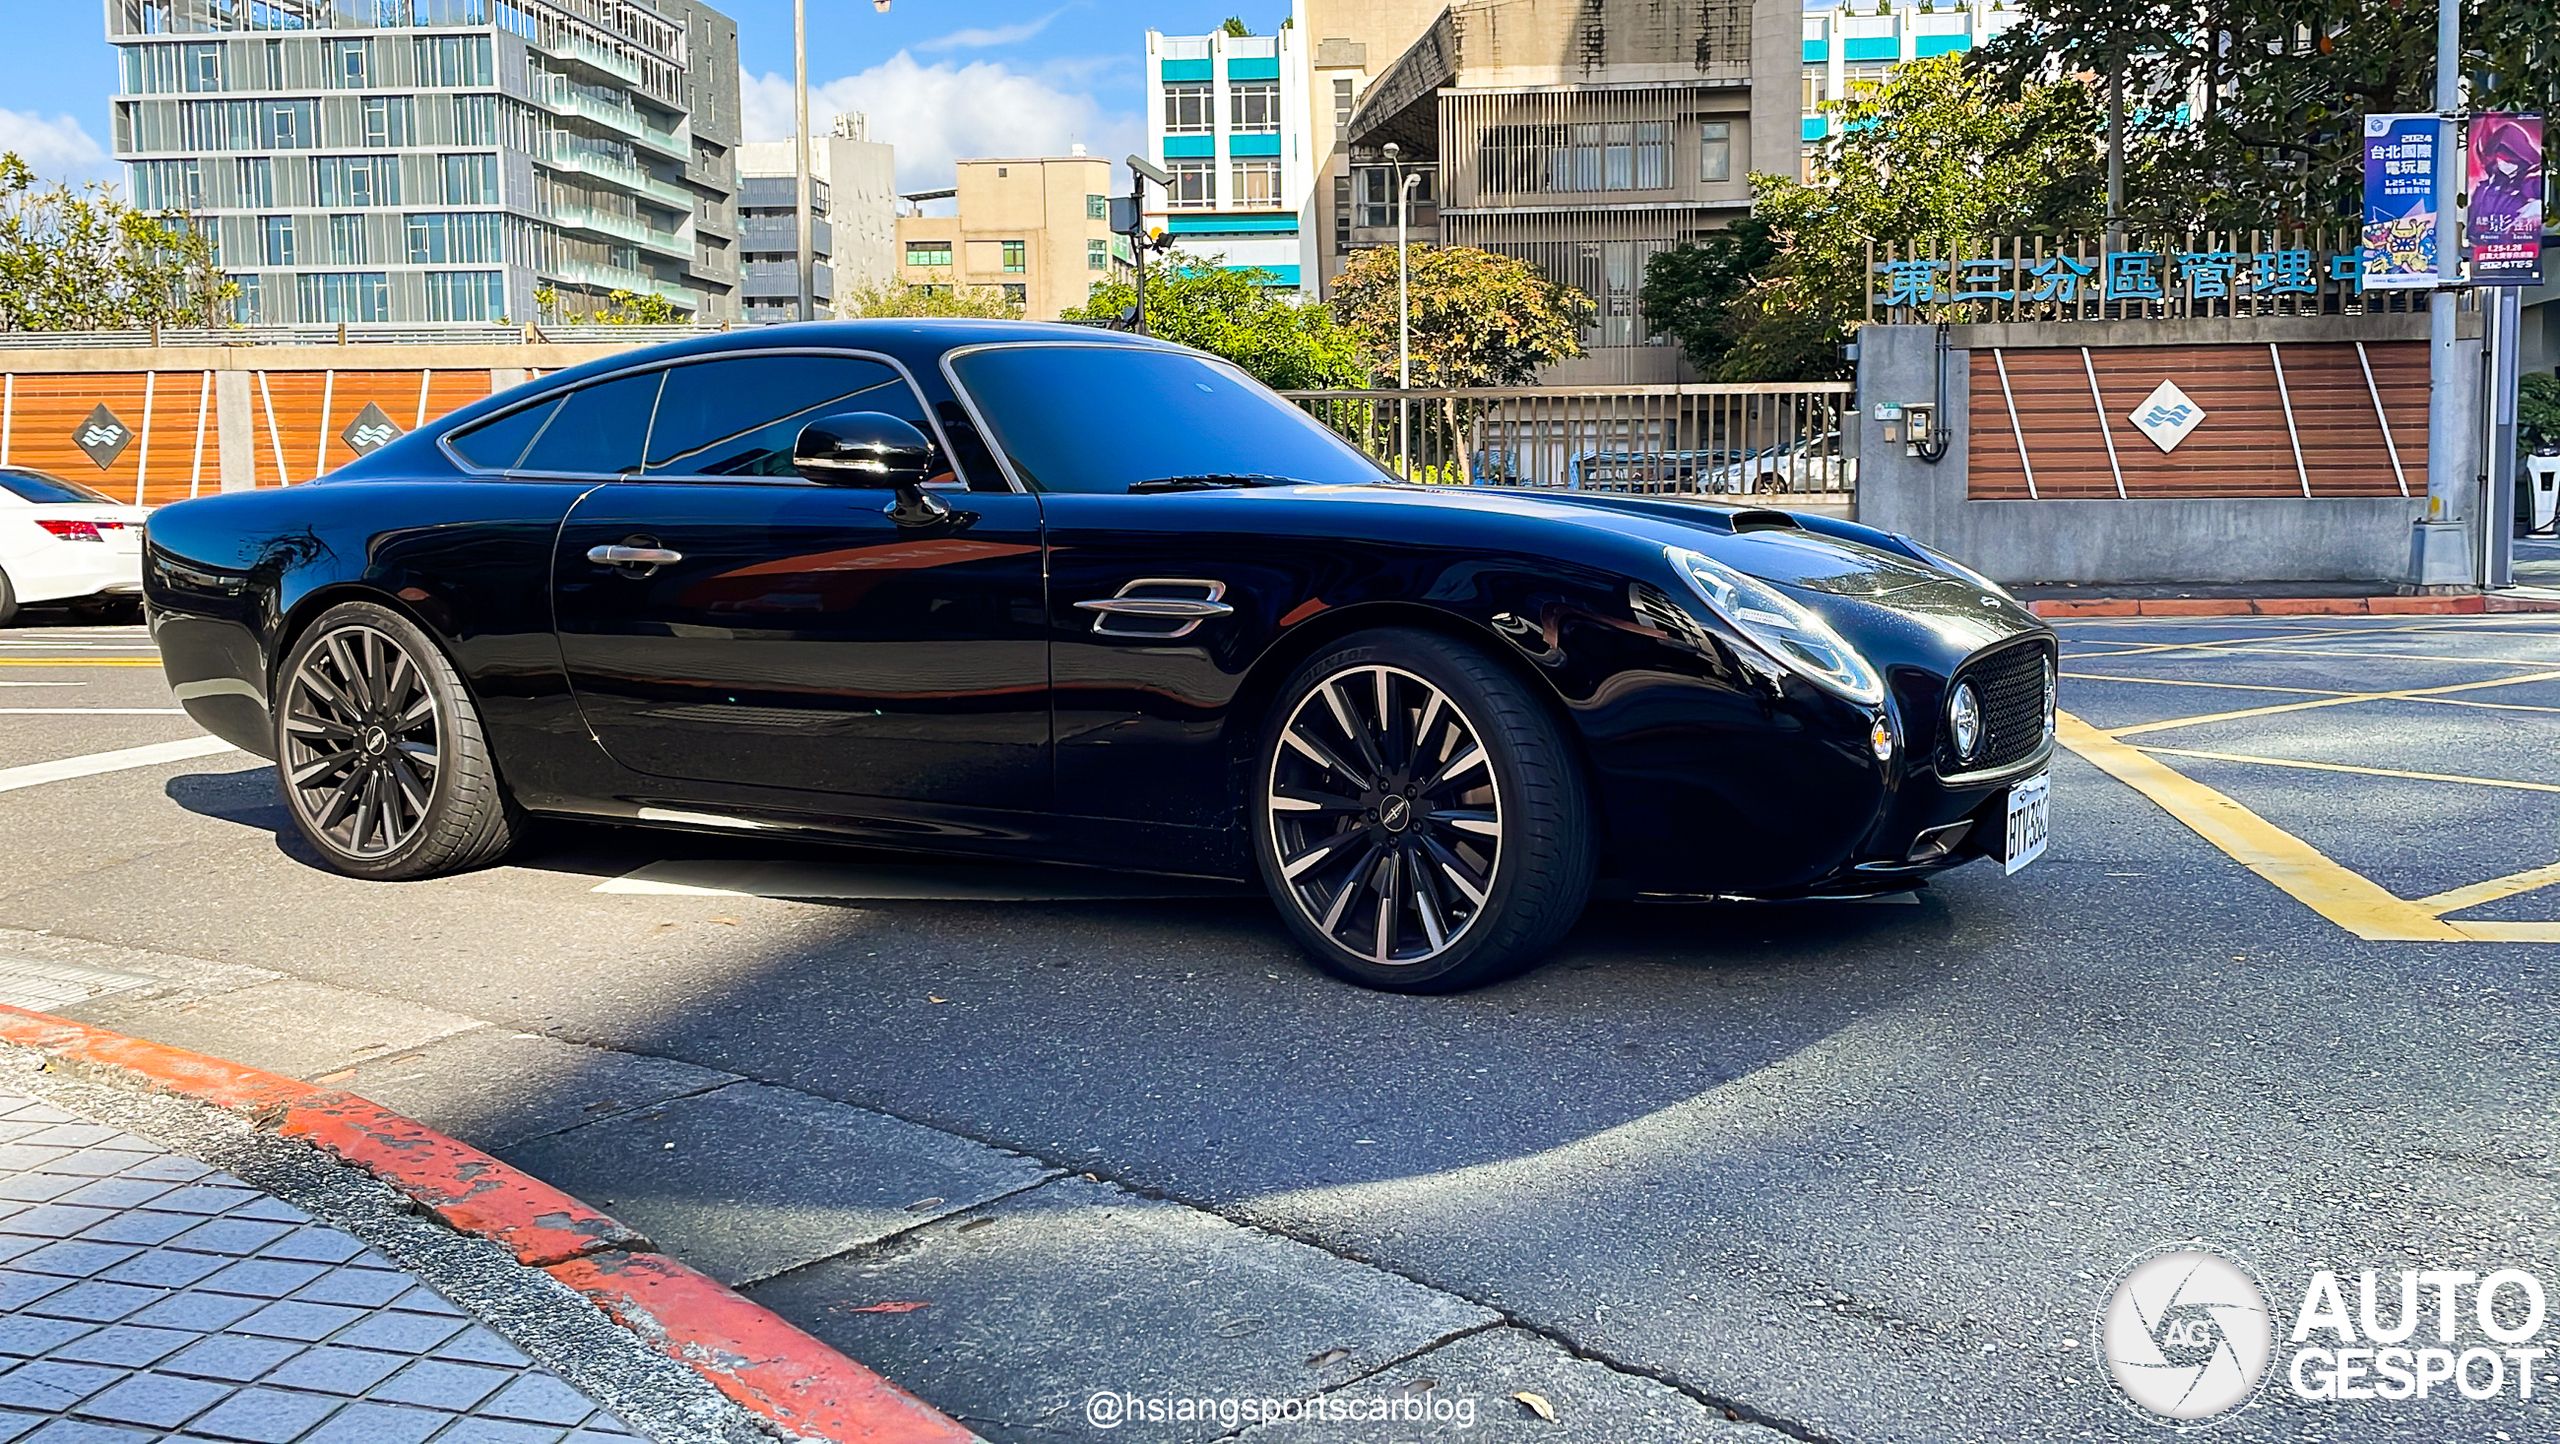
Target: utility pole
(807, 268)
(2440, 547)
(1404, 318)
(2115, 155)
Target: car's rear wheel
(380, 751)
(1419, 818)
(8, 601)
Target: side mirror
(864, 448)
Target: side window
(740, 416)
(495, 445)
(600, 428)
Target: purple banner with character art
(2506, 200)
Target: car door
(787, 634)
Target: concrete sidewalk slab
(819, 1177)
(1121, 1293)
(291, 1026)
(501, 1088)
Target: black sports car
(1046, 592)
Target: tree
(1690, 290)
(1937, 159)
(624, 308)
(1282, 342)
(2276, 138)
(1478, 318)
(80, 259)
(935, 298)
(1235, 26)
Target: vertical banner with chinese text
(2506, 200)
(2400, 202)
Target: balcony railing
(621, 228)
(556, 151)
(570, 46)
(620, 278)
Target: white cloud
(981, 38)
(939, 113)
(56, 149)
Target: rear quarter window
(498, 445)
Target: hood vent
(1742, 521)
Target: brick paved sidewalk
(146, 1296)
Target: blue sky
(939, 79)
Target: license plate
(2030, 809)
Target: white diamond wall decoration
(102, 436)
(2166, 416)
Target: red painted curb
(753, 1356)
(747, 1352)
(2464, 606)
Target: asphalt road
(1854, 1172)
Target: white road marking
(43, 684)
(924, 882)
(93, 711)
(13, 778)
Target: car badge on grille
(1991, 601)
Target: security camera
(1150, 170)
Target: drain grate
(43, 984)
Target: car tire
(381, 754)
(8, 601)
(1418, 816)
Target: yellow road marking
(2217, 686)
(2306, 874)
(79, 661)
(2348, 699)
(2220, 644)
(2366, 771)
(2455, 900)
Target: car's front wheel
(1420, 819)
(380, 751)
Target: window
(466, 295)
(1715, 150)
(275, 65)
(257, 180)
(1016, 257)
(43, 490)
(247, 307)
(470, 180)
(346, 241)
(1253, 105)
(1584, 156)
(1653, 155)
(344, 295)
(1257, 183)
(349, 63)
(1017, 295)
(475, 120)
(1096, 418)
(1378, 192)
(1187, 110)
(436, 240)
(289, 124)
(389, 120)
(451, 60)
(929, 253)
(1342, 215)
(203, 67)
(599, 428)
(1195, 184)
(1341, 107)
(740, 416)
(356, 180)
(1817, 88)
(497, 444)
(1097, 208)
(278, 234)
(1097, 255)
(168, 185)
(1861, 82)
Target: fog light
(1964, 720)
(1880, 737)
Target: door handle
(616, 556)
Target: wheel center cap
(1395, 812)
(374, 740)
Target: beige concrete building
(1039, 228)
(1584, 136)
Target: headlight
(1948, 563)
(1781, 627)
(1964, 720)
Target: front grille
(2010, 683)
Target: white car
(62, 542)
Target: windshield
(1110, 418)
(45, 490)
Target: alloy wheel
(1385, 814)
(362, 735)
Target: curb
(2292, 606)
(761, 1361)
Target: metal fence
(1753, 439)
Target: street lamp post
(1404, 311)
(2441, 555)
(806, 267)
